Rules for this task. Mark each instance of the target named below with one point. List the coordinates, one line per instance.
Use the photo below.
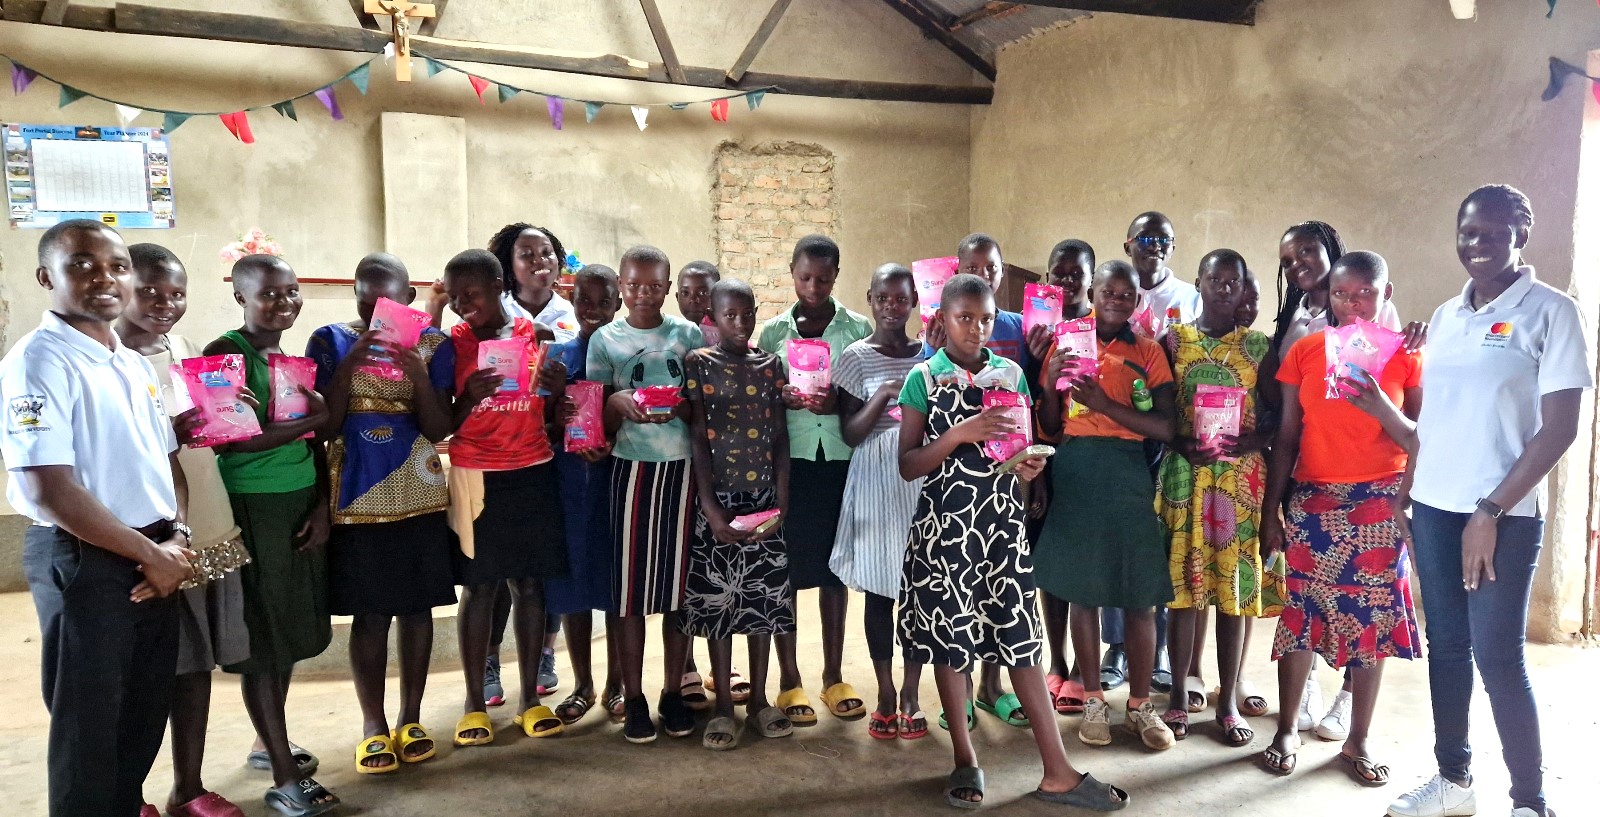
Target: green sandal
(1007, 708)
(972, 719)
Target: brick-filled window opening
(766, 197)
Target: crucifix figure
(401, 12)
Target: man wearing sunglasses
(1164, 299)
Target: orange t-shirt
(1339, 442)
(1128, 357)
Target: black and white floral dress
(967, 593)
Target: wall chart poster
(118, 176)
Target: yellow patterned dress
(1212, 513)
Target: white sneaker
(1310, 704)
(1095, 729)
(1436, 798)
(1336, 724)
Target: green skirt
(1102, 544)
(285, 591)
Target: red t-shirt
(1339, 442)
(500, 434)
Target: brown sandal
(1365, 771)
(1178, 721)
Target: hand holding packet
(808, 360)
(212, 384)
(509, 358)
(587, 429)
(1218, 412)
(759, 522)
(1016, 407)
(1078, 337)
(288, 375)
(930, 275)
(1357, 348)
(657, 401)
(399, 326)
(1041, 306)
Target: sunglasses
(1159, 241)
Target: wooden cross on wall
(401, 12)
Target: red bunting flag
(238, 124)
(479, 85)
(719, 110)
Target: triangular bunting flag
(1595, 87)
(171, 121)
(479, 85)
(388, 52)
(753, 99)
(1552, 11)
(70, 95)
(678, 106)
(286, 108)
(359, 77)
(20, 78)
(558, 110)
(431, 66)
(591, 110)
(238, 124)
(640, 114)
(329, 101)
(127, 113)
(507, 92)
(719, 110)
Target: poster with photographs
(118, 176)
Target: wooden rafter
(931, 26)
(367, 19)
(989, 10)
(127, 18)
(758, 40)
(55, 11)
(658, 30)
(1240, 12)
(431, 24)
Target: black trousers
(109, 667)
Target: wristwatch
(188, 533)
(1490, 509)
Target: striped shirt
(861, 370)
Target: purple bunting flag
(20, 78)
(558, 110)
(329, 101)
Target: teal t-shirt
(623, 357)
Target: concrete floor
(833, 768)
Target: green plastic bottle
(1141, 396)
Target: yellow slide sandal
(539, 722)
(376, 746)
(839, 698)
(410, 735)
(471, 721)
(797, 707)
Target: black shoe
(1161, 678)
(677, 719)
(638, 728)
(1113, 668)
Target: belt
(157, 531)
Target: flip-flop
(883, 727)
(470, 722)
(1069, 697)
(1178, 721)
(539, 716)
(909, 730)
(964, 777)
(972, 719)
(209, 804)
(1236, 731)
(376, 746)
(296, 799)
(1366, 772)
(693, 690)
(1089, 794)
(305, 762)
(1007, 707)
(796, 706)
(1279, 763)
(721, 726)
(1252, 704)
(836, 698)
(573, 708)
(412, 734)
(773, 723)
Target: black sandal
(964, 778)
(1089, 794)
(677, 719)
(638, 727)
(299, 799)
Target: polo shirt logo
(27, 413)
(1498, 336)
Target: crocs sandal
(1007, 707)
(883, 727)
(773, 723)
(305, 762)
(410, 735)
(474, 721)
(1090, 794)
(972, 719)
(913, 726)
(299, 799)
(209, 804)
(693, 689)
(1069, 697)
(838, 698)
(1279, 763)
(738, 686)
(572, 710)
(1366, 772)
(721, 727)
(796, 706)
(965, 778)
(376, 746)
(1252, 704)
(539, 722)
(1178, 721)
(1236, 731)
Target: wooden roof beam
(935, 30)
(1238, 12)
(658, 30)
(431, 24)
(758, 40)
(127, 18)
(367, 20)
(991, 9)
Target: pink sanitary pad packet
(930, 276)
(1041, 306)
(1004, 448)
(397, 325)
(586, 430)
(213, 384)
(510, 358)
(288, 374)
(809, 369)
(1078, 337)
(1355, 349)
(1218, 412)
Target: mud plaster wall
(766, 198)
(1372, 115)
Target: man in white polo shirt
(90, 455)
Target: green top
(807, 430)
(288, 467)
(998, 373)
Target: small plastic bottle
(1141, 396)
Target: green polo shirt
(807, 430)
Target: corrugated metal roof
(1004, 23)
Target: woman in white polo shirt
(1507, 365)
